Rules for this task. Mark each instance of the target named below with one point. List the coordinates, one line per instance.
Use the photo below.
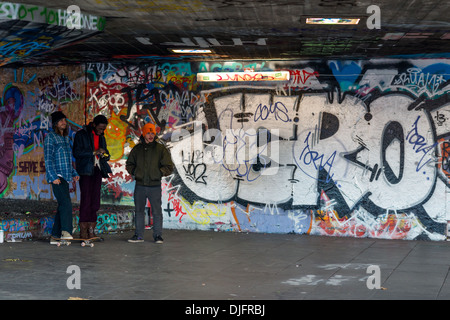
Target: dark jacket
(83, 151)
(149, 162)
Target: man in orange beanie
(149, 127)
(148, 162)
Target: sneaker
(159, 239)
(135, 239)
(66, 236)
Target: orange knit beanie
(149, 127)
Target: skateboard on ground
(84, 242)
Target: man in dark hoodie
(91, 161)
(148, 162)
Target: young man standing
(59, 172)
(91, 160)
(148, 162)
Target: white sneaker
(66, 236)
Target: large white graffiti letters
(379, 152)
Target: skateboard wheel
(83, 244)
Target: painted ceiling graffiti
(28, 30)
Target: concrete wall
(27, 227)
(345, 148)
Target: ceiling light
(243, 76)
(191, 50)
(332, 21)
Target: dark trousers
(90, 187)
(153, 194)
(63, 217)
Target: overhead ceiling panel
(250, 29)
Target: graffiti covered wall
(28, 98)
(345, 148)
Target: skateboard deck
(84, 242)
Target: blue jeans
(63, 217)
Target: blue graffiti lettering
(419, 145)
(278, 109)
(309, 157)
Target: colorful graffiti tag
(344, 148)
(28, 30)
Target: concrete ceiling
(247, 29)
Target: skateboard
(84, 242)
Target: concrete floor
(199, 265)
